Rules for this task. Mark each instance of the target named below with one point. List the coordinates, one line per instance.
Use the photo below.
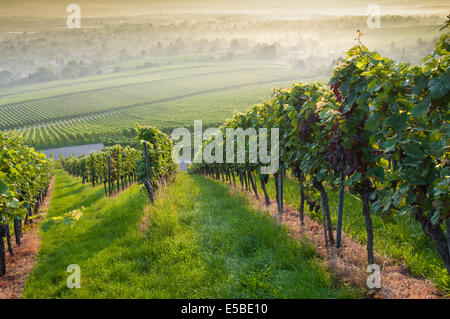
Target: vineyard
(91, 110)
(365, 159)
(381, 132)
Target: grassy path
(200, 242)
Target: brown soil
(349, 262)
(19, 266)
(145, 221)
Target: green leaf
(361, 64)
(377, 172)
(356, 177)
(389, 145)
(374, 86)
(437, 88)
(411, 198)
(371, 124)
(376, 56)
(398, 122)
(421, 108)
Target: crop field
(86, 110)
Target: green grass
(403, 239)
(201, 242)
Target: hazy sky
(56, 8)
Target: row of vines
(25, 176)
(118, 166)
(380, 132)
(111, 166)
(69, 132)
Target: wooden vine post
(2, 252)
(252, 182)
(245, 181)
(340, 210)
(279, 193)
(117, 175)
(263, 180)
(109, 175)
(302, 199)
(93, 173)
(148, 184)
(8, 240)
(17, 230)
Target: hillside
(213, 154)
(72, 112)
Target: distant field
(86, 110)
(399, 35)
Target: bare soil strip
(349, 262)
(19, 266)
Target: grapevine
(25, 176)
(381, 132)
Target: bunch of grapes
(313, 205)
(337, 92)
(316, 209)
(304, 127)
(354, 156)
(335, 154)
(352, 161)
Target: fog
(36, 45)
